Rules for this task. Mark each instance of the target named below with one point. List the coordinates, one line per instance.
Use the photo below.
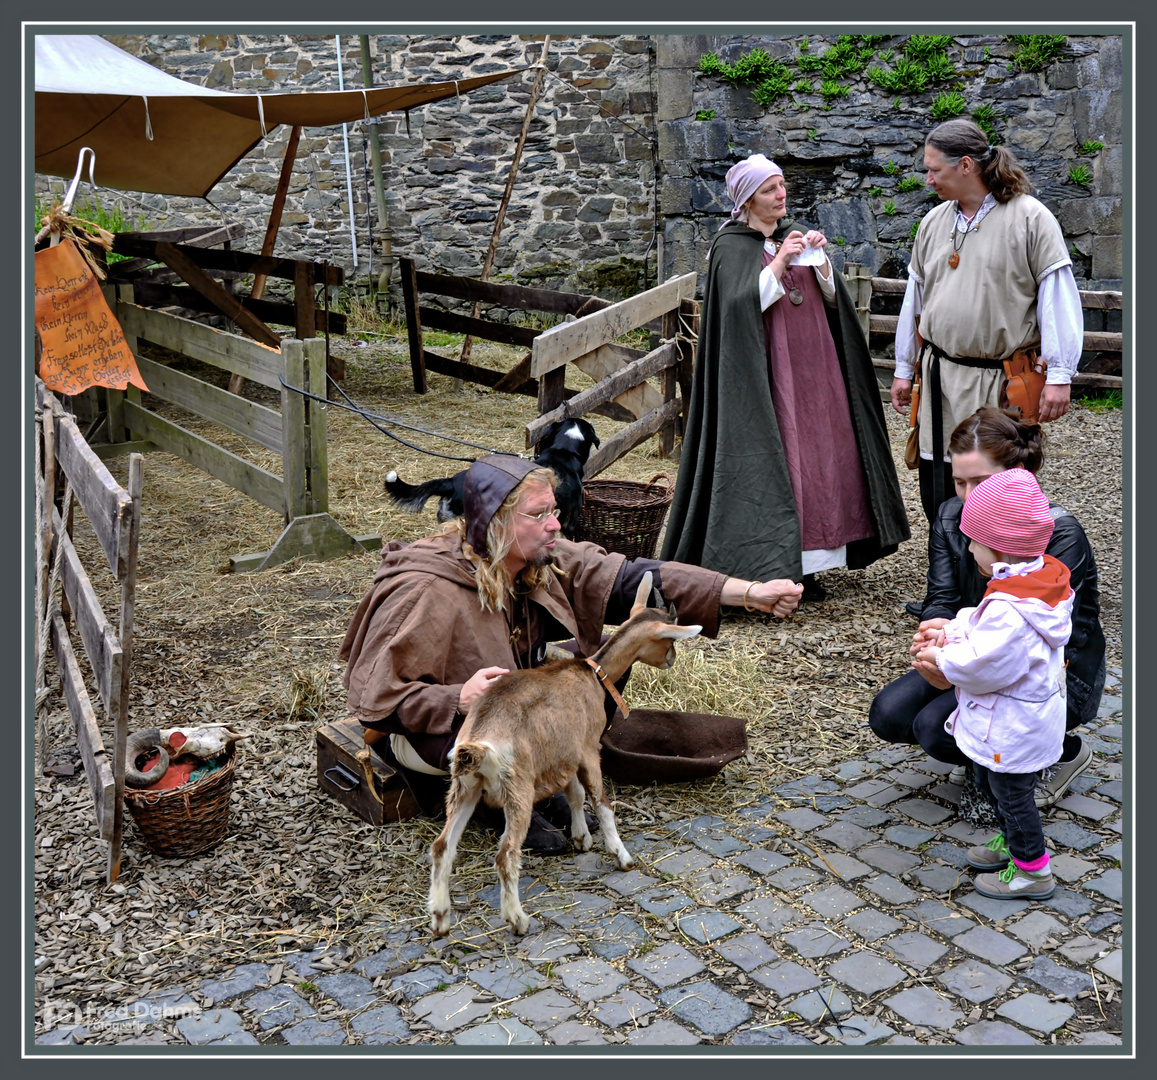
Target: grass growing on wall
(1036, 51)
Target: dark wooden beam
(178, 260)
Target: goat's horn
(139, 743)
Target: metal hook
(71, 194)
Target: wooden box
(342, 775)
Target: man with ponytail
(990, 281)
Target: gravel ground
(259, 651)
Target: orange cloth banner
(83, 344)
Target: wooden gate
(590, 344)
(297, 431)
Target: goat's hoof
(519, 924)
(440, 923)
(584, 843)
(626, 862)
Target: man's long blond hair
(495, 582)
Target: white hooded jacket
(1006, 659)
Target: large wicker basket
(625, 515)
(185, 820)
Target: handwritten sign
(83, 344)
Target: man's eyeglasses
(541, 516)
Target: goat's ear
(671, 611)
(641, 594)
(656, 598)
(680, 633)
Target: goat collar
(608, 686)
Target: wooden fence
(586, 338)
(589, 342)
(207, 276)
(114, 515)
(863, 286)
(297, 432)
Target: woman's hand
(929, 669)
(816, 239)
(474, 687)
(779, 597)
(791, 246)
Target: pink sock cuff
(1034, 867)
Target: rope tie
(148, 121)
(366, 102)
(261, 115)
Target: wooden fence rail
(297, 431)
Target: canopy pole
(468, 344)
(236, 382)
(349, 180)
(379, 183)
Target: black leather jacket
(954, 582)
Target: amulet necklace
(954, 258)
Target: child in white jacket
(1006, 659)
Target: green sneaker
(990, 856)
(1013, 883)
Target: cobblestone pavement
(840, 912)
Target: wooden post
(689, 316)
(120, 695)
(236, 382)
(294, 437)
(317, 464)
(551, 390)
(413, 324)
(669, 381)
(859, 280)
(468, 344)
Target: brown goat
(534, 733)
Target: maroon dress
(811, 407)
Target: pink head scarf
(743, 180)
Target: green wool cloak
(733, 509)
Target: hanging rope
(373, 419)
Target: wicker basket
(625, 515)
(185, 820)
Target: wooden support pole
(278, 206)
(468, 344)
(236, 382)
(669, 333)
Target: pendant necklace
(793, 294)
(954, 258)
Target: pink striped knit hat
(1009, 513)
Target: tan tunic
(986, 306)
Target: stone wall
(581, 216)
(612, 111)
(834, 158)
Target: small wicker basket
(185, 820)
(625, 515)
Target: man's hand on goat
(778, 597)
(474, 687)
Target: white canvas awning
(152, 132)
